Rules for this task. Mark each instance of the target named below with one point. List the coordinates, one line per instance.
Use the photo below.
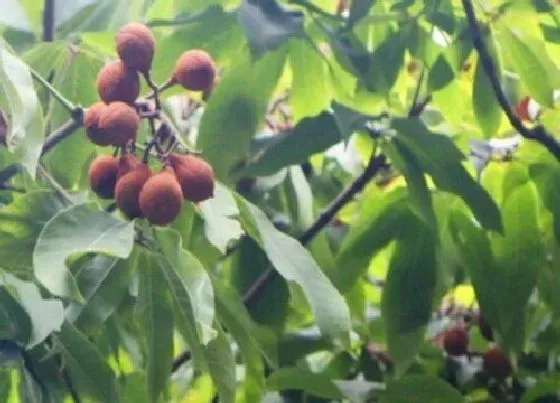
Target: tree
(270, 200)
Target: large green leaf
(409, 290)
(267, 24)
(14, 16)
(103, 282)
(421, 389)
(26, 127)
(156, 316)
(221, 364)
(87, 367)
(298, 379)
(78, 229)
(308, 137)
(295, 263)
(440, 158)
(46, 315)
(15, 323)
(189, 277)
(21, 223)
(236, 108)
(487, 111)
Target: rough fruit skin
(91, 123)
(456, 341)
(195, 176)
(136, 46)
(102, 176)
(116, 82)
(161, 198)
(195, 70)
(120, 122)
(127, 163)
(128, 189)
(497, 364)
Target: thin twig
(412, 111)
(537, 133)
(69, 106)
(67, 129)
(155, 89)
(48, 21)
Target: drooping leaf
(46, 315)
(440, 158)
(21, 223)
(87, 367)
(22, 110)
(420, 389)
(294, 263)
(308, 137)
(236, 108)
(78, 229)
(268, 24)
(412, 273)
(156, 316)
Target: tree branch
(67, 129)
(69, 106)
(537, 133)
(48, 21)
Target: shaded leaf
(358, 10)
(15, 323)
(78, 229)
(487, 111)
(299, 379)
(420, 389)
(221, 364)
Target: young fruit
(497, 364)
(116, 82)
(161, 198)
(485, 329)
(91, 123)
(195, 176)
(128, 189)
(456, 341)
(102, 176)
(136, 46)
(120, 122)
(195, 70)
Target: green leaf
(299, 198)
(21, 222)
(299, 379)
(387, 62)
(221, 364)
(347, 119)
(487, 111)
(46, 315)
(13, 15)
(358, 10)
(440, 158)
(219, 225)
(420, 389)
(156, 317)
(103, 281)
(87, 367)
(186, 277)
(78, 229)
(268, 25)
(234, 316)
(407, 163)
(379, 221)
(528, 57)
(294, 263)
(308, 137)
(15, 323)
(26, 127)
(310, 77)
(236, 108)
(408, 294)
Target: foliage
(386, 171)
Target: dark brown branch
(48, 21)
(66, 130)
(537, 133)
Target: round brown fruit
(91, 123)
(102, 176)
(195, 176)
(127, 163)
(456, 341)
(497, 364)
(128, 189)
(120, 122)
(116, 82)
(161, 198)
(136, 46)
(195, 70)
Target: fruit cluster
(114, 121)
